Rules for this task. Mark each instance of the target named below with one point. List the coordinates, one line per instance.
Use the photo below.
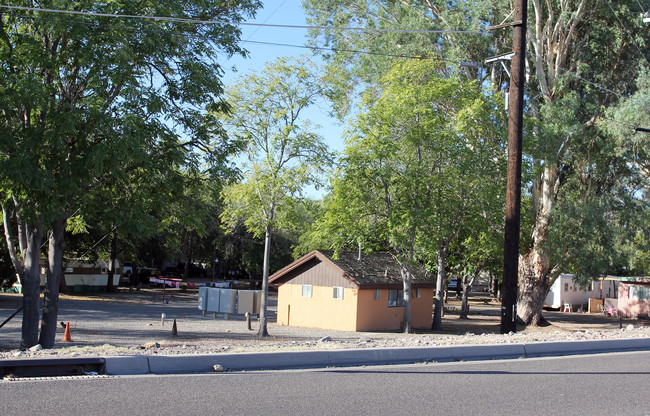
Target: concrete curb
(186, 364)
(543, 349)
(128, 364)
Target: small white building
(84, 275)
(566, 291)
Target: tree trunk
(407, 280)
(213, 269)
(31, 283)
(440, 284)
(263, 332)
(491, 284)
(496, 287)
(534, 266)
(63, 286)
(464, 306)
(110, 287)
(51, 295)
(533, 289)
(188, 256)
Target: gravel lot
(129, 323)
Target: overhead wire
(575, 75)
(213, 22)
(628, 33)
(640, 6)
(351, 51)
(266, 20)
(193, 34)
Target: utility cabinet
(246, 301)
(227, 298)
(203, 299)
(213, 300)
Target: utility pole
(513, 192)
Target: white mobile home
(83, 275)
(565, 291)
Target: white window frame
(377, 294)
(418, 292)
(638, 293)
(306, 291)
(337, 292)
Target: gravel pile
(238, 344)
(132, 324)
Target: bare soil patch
(128, 323)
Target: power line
(641, 7)
(267, 19)
(214, 22)
(577, 76)
(598, 116)
(354, 51)
(197, 35)
(351, 51)
(628, 32)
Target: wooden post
(513, 192)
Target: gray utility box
(213, 300)
(227, 299)
(203, 299)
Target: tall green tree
(86, 97)
(282, 153)
(421, 161)
(575, 76)
(582, 58)
(627, 124)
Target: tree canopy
(583, 57)
(282, 152)
(87, 97)
(423, 159)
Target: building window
(377, 294)
(306, 291)
(337, 292)
(418, 292)
(395, 298)
(566, 287)
(639, 292)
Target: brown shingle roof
(375, 269)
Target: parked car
(454, 284)
(127, 272)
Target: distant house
(81, 275)
(634, 297)
(350, 293)
(566, 292)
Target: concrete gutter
(186, 364)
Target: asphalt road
(608, 384)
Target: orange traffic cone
(66, 334)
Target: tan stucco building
(351, 293)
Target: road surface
(608, 384)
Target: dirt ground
(127, 323)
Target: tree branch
(18, 266)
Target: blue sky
(281, 12)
